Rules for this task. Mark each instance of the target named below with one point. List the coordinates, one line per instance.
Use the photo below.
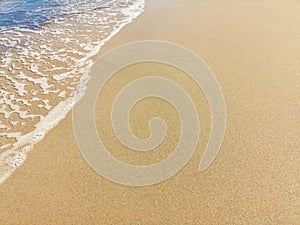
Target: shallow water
(45, 56)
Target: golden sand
(253, 49)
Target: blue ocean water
(33, 13)
(26, 12)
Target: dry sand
(254, 50)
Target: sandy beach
(253, 49)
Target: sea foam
(45, 61)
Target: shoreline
(13, 158)
(254, 179)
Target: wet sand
(253, 49)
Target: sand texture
(253, 48)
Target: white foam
(26, 49)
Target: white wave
(42, 69)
